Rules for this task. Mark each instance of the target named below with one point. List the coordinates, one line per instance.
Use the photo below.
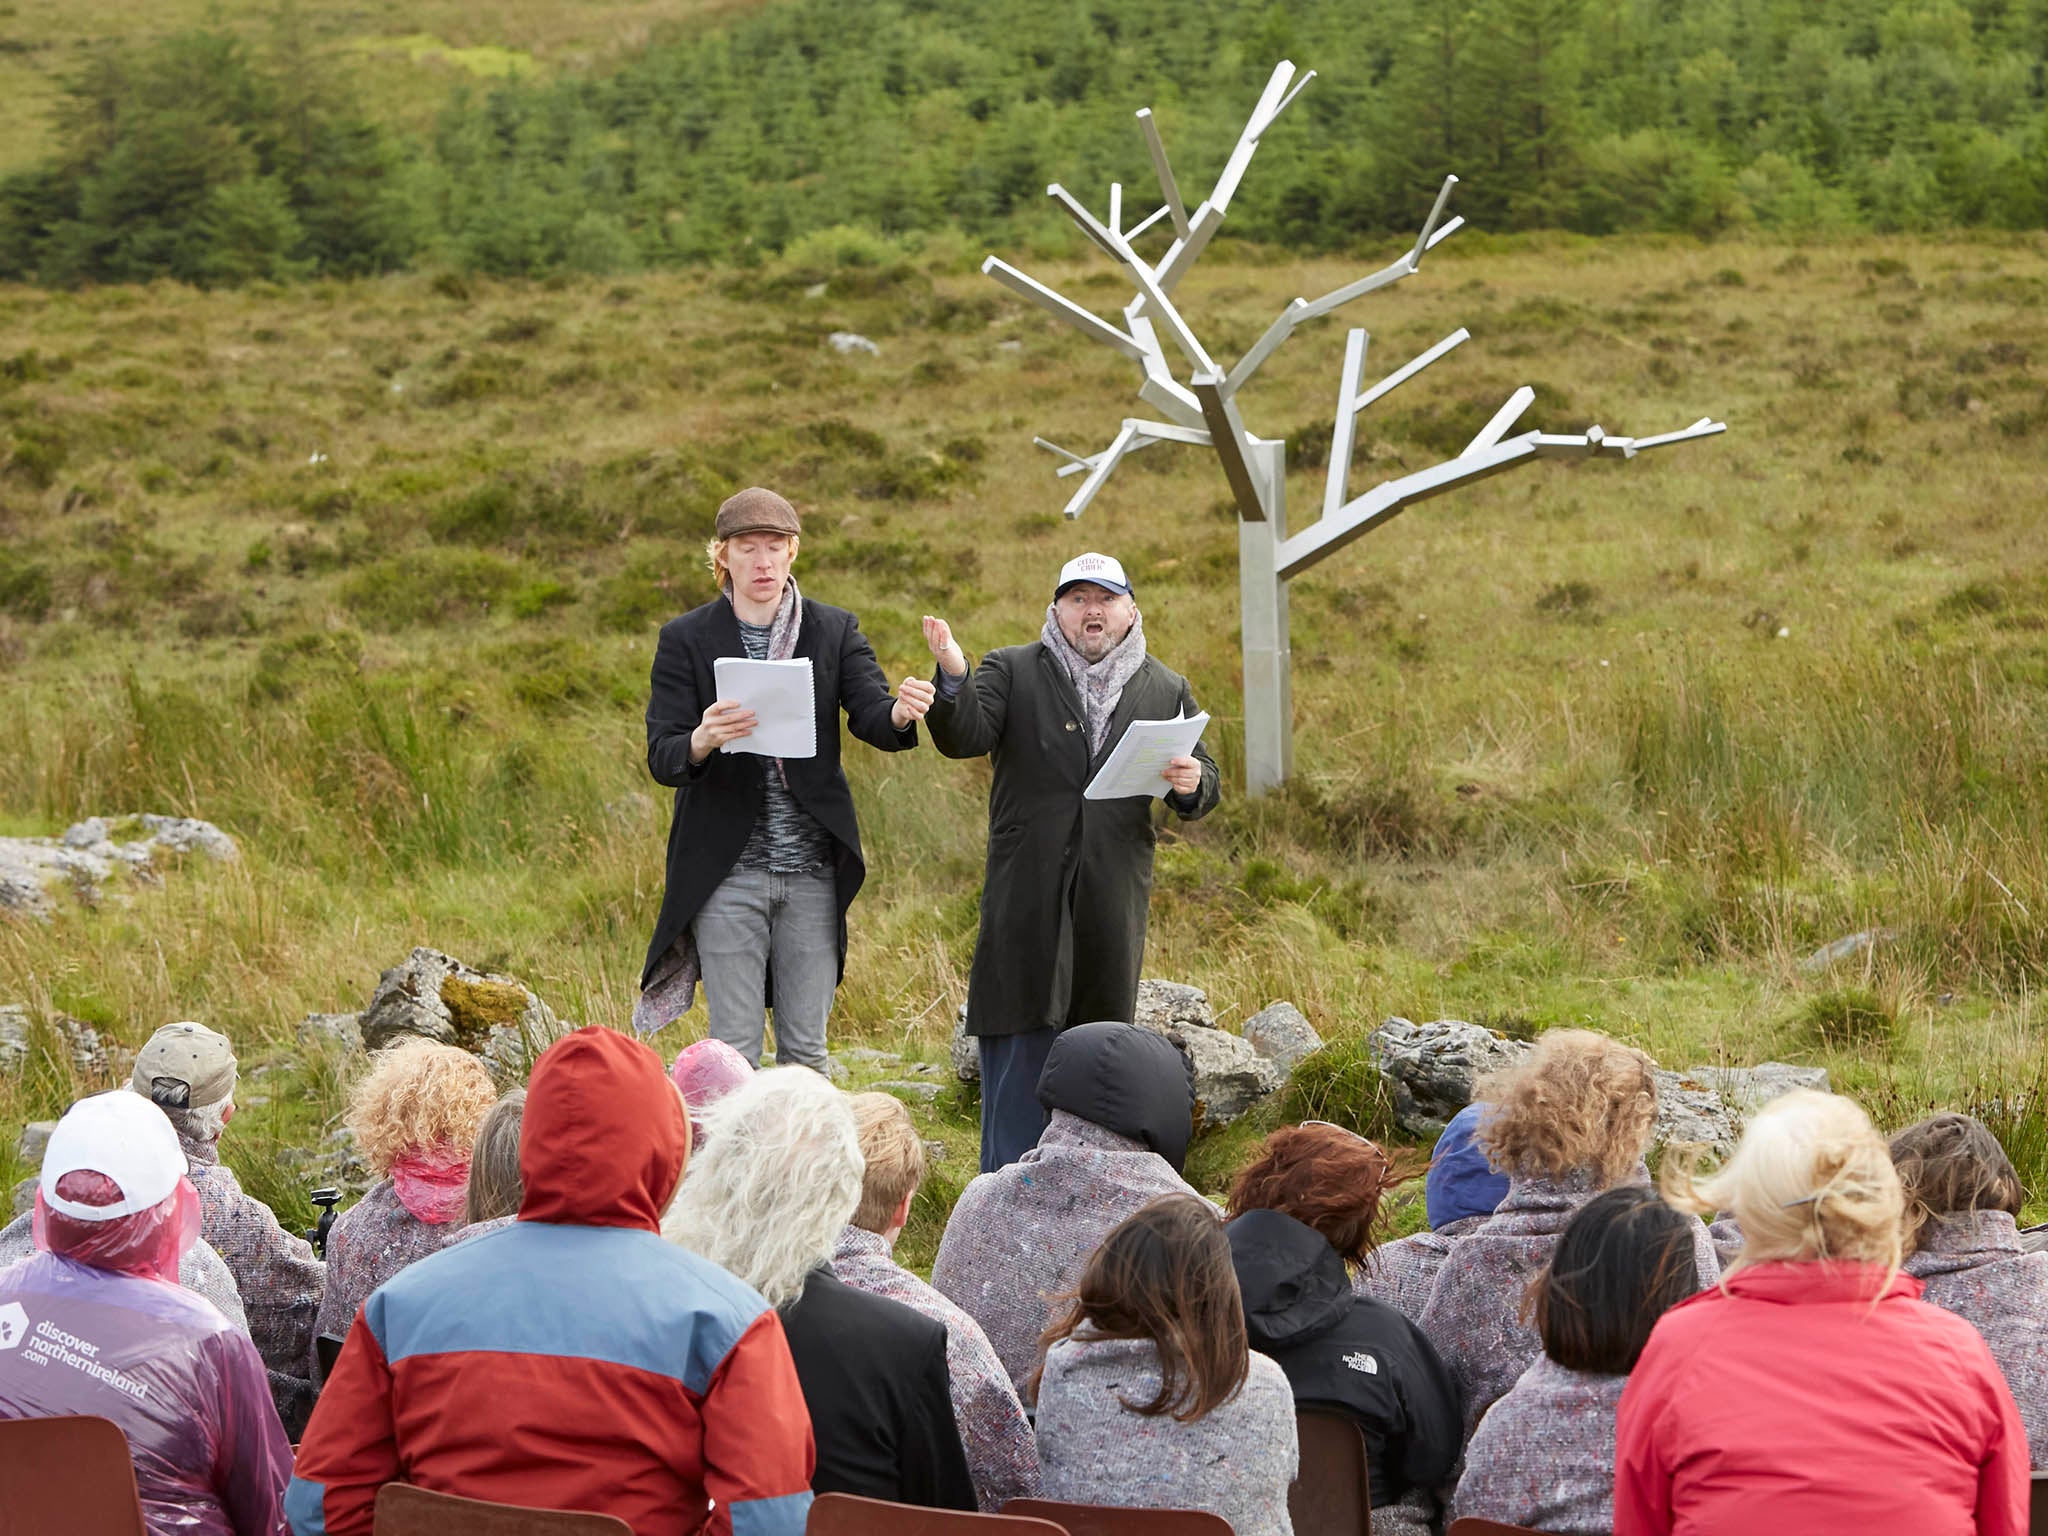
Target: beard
(1093, 644)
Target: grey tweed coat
(1544, 1454)
(1972, 1264)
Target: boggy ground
(369, 574)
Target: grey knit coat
(369, 1243)
(1019, 1236)
(1972, 1264)
(1544, 1454)
(1474, 1316)
(1236, 1461)
(1002, 1456)
(1402, 1273)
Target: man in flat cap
(764, 852)
(1068, 884)
(189, 1072)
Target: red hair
(1324, 1177)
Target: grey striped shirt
(787, 840)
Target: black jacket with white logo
(1347, 1354)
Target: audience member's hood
(1460, 1182)
(604, 1138)
(1294, 1284)
(1125, 1079)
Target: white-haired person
(1570, 1119)
(778, 1178)
(1002, 1455)
(95, 1324)
(190, 1073)
(1813, 1390)
(1966, 1194)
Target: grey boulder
(438, 997)
(1283, 1035)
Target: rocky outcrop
(438, 997)
(1429, 1070)
(35, 872)
(1283, 1035)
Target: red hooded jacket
(573, 1360)
(1788, 1403)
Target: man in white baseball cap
(95, 1323)
(1068, 883)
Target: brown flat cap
(756, 510)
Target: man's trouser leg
(733, 931)
(804, 951)
(1011, 1116)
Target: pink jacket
(1788, 1400)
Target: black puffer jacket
(1347, 1354)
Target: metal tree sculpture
(1203, 410)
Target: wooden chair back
(403, 1510)
(2038, 1521)
(73, 1475)
(1115, 1520)
(1473, 1526)
(846, 1514)
(1332, 1493)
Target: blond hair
(895, 1158)
(714, 557)
(1578, 1102)
(419, 1095)
(1810, 1180)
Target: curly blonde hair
(1579, 1101)
(419, 1095)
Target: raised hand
(724, 721)
(938, 634)
(914, 696)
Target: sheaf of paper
(779, 694)
(1137, 764)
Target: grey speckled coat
(1474, 1316)
(369, 1243)
(1002, 1456)
(1544, 1454)
(1403, 1272)
(1974, 1266)
(201, 1271)
(1236, 1461)
(1019, 1236)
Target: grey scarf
(672, 992)
(1100, 684)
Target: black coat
(1068, 884)
(718, 800)
(881, 1402)
(1347, 1354)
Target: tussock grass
(1595, 745)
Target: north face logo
(13, 1325)
(1363, 1362)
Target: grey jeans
(756, 923)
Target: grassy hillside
(369, 573)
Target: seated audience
(1570, 1119)
(188, 1071)
(1725, 1233)
(779, 1175)
(1149, 1396)
(704, 1073)
(1002, 1456)
(1967, 1255)
(1122, 1104)
(1303, 1217)
(1543, 1456)
(95, 1323)
(1460, 1192)
(200, 1270)
(414, 1116)
(1813, 1390)
(491, 1201)
(573, 1360)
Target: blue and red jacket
(573, 1360)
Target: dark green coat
(1068, 885)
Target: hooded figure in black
(1345, 1354)
(1122, 1103)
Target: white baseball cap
(1100, 569)
(123, 1136)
